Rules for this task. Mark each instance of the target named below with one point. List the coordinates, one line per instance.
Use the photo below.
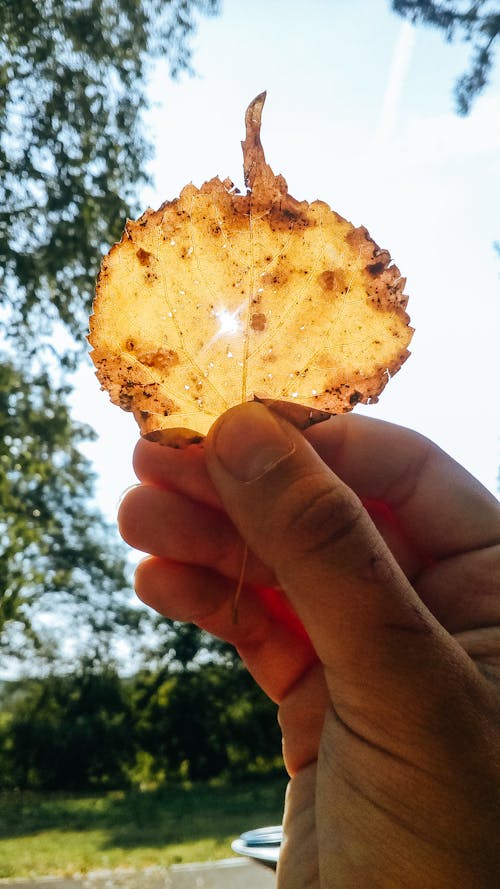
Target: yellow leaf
(218, 297)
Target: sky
(360, 114)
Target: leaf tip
(253, 153)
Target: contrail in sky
(399, 68)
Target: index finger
(183, 470)
(442, 508)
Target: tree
(69, 732)
(73, 154)
(73, 77)
(92, 728)
(56, 551)
(474, 21)
(203, 722)
(176, 646)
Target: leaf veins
(218, 297)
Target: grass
(60, 835)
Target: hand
(370, 613)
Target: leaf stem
(241, 580)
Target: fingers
(369, 628)
(171, 526)
(383, 464)
(185, 471)
(442, 508)
(463, 591)
(267, 634)
(179, 469)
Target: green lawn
(61, 835)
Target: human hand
(386, 667)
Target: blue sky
(360, 114)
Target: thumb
(374, 636)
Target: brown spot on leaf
(375, 268)
(274, 278)
(332, 280)
(288, 217)
(258, 321)
(125, 401)
(143, 256)
(161, 359)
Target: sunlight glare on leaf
(229, 322)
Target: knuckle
(402, 488)
(320, 515)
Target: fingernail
(249, 442)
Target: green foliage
(179, 646)
(56, 551)
(93, 729)
(68, 733)
(73, 156)
(205, 722)
(477, 22)
(73, 77)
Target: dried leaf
(218, 297)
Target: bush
(69, 733)
(205, 722)
(95, 730)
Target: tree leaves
(217, 297)
(56, 551)
(476, 22)
(72, 155)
